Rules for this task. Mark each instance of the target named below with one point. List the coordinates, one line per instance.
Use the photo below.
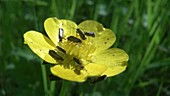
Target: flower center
(76, 52)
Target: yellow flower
(77, 51)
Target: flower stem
(63, 88)
(43, 67)
(44, 77)
(52, 88)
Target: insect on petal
(54, 54)
(61, 49)
(81, 34)
(74, 39)
(92, 34)
(61, 34)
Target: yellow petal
(52, 26)
(115, 59)
(104, 38)
(90, 25)
(114, 71)
(40, 45)
(68, 74)
(69, 27)
(95, 69)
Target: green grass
(141, 27)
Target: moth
(77, 61)
(61, 34)
(55, 55)
(92, 34)
(61, 49)
(81, 34)
(78, 67)
(74, 39)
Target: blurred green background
(142, 28)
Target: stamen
(75, 47)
